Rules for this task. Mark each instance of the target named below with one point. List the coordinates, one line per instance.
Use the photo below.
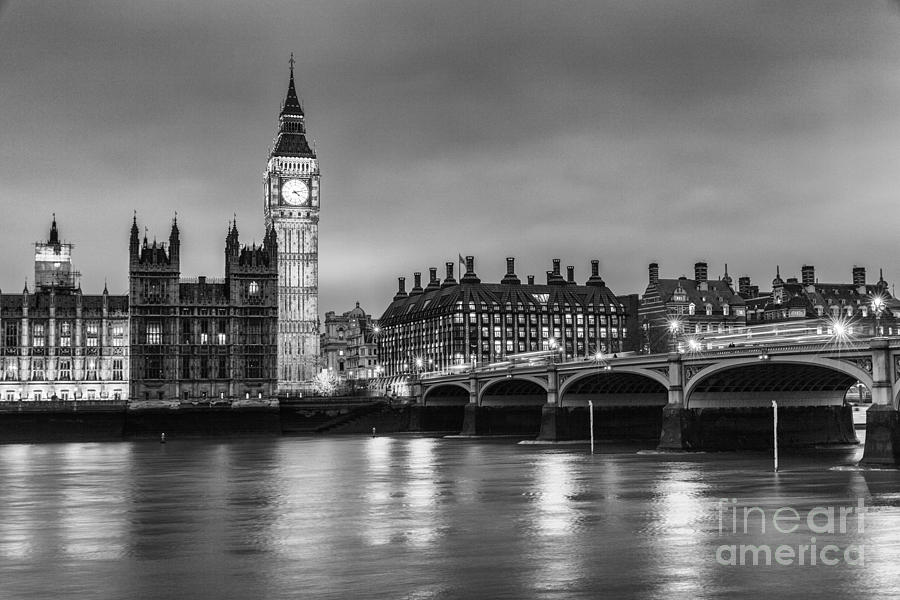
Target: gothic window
(65, 369)
(725, 309)
(92, 330)
(37, 335)
(154, 334)
(118, 335)
(11, 335)
(65, 334)
(253, 289)
(692, 308)
(37, 369)
(91, 369)
(708, 310)
(117, 370)
(11, 370)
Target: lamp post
(877, 311)
(674, 328)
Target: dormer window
(725, 309)
(691, 308)
(708, 310)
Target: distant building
(349, 349)
(199, 339)
(449, 323)
(673, 309)
(808, 298)
(58, 343)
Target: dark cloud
(753, 133)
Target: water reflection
(412, 518)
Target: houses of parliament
(250, 334)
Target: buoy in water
(162, 438)
(373, 432)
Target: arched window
(708, 309)
(253, 288)
(725, 309)
(691, 308)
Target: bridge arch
(619, 386)
(521, 390)
(446, 394)
(791, 380)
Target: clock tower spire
(291, 205)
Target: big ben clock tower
(292, 209)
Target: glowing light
(419, 362)
(674, 325)
(694, 345)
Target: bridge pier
(676, 421)
(882, 419)
(550, 412)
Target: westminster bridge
(720, 399)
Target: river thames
(417, 517)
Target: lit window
(154, 333)
(92, 330)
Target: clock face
(294, 192)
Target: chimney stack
(744, 287)
(510, 277)
(401, 290)
(554, 276)
(595, 278)
(417, 285)
(859, 276)
(470, 276)
(433, 283)
(808, 275)
(449, 279)
(531, 280)
(570, 274)
(654, 274)
(700, 272)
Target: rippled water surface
(407, 517)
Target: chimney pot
(700, 272)
(654, 273)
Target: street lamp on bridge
(674, 328)
(878, 305)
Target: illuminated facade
(58, 343)
(202, 339)
(449, 323)
(807, 298)
(291, 191)
(349, 348)
(672, 309)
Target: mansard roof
(497, 295)
(717, 294)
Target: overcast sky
(752, 133)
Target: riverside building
(867, 308)
(672, 309)
(58, 343)
(203, 339)
(450, 323)
(349, 348)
